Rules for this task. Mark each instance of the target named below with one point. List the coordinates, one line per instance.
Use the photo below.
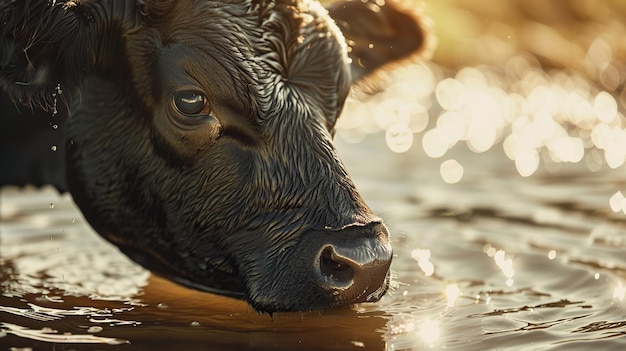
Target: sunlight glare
(422, 256)
(452, 294)
(506, 265)
(619, 292)
(429, 331)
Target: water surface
(495, 261)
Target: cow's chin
(221, 283)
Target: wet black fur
(237, 202)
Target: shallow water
(495, 261)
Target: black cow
(196, 135)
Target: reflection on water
(506, 265)
(493, 261)
(620, 292)
(618, 202)
(53, 336)
(452, 294)
(557, 117)
(429, 331)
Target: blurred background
(542, 80)
(582, 35)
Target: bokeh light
(422, 256)
(452, 294)
(619, 293)
(617, 202)
(552, 254)
(451, 171)
(505, 264)
(543, 94)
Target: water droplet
(195, 324)
(55, 126)
(53, 148)
(52, 205)
(162, 306)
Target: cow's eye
(191, 103)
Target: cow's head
(200, 143)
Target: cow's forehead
(267, 44)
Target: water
(494, 261)
(501, 181)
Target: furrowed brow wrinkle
(226, 74)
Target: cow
(196, 135)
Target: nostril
(334, 267)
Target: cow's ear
(377, 33)
(49, 46)
(46, 47)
